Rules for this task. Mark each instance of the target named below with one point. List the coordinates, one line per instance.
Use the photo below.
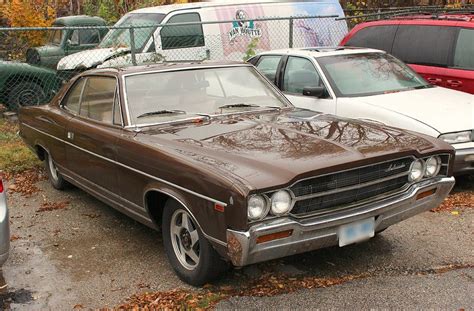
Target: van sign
(243, 28)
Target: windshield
(118, 38)
(171, 96)
(369, 74)
(55, 37)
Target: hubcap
(185, 239)
(27, 98)
(52, 168)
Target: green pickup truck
(36, 82)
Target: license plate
(356, 231)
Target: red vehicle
(439, 47)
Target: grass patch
(15, 156)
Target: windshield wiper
(241, 105)
(158, 112)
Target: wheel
(189, 253)
(54, 175)
(25, 94)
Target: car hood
(442, 109)
(271, 149)
(89, 58)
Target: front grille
(351, 186)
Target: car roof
(165, 9)
(79, 20)
(322, 51)
(163, 67)
(454, 16)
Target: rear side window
(375, 37)
(98, 99)
(185, 36)
(464, 52)
(268, 65)
(424, 45)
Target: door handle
(435, 81)
(70, 135)
(454, 83)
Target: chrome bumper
(464, 161)
(4, 229)
(321, 231)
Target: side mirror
(314, 91)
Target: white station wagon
(373, 85)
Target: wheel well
(155, 204)
(22, 78)
(40, 152)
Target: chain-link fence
(35, 62)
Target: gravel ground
(88, 255)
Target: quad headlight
(457, 138)
(433, 165)
(417, 170)
(257, 207)
(281, 203)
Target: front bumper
(464, 161)
(4, 229)
(321, 231)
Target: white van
(216, 41)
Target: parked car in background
(35, 83)
(63, 42)
(4, 224)
(215, 156)
(373, 85)
(439, 47)
(216, 41)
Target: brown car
(216, 157)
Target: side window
(299, 73)
(73, 97)
(464, 52)
(89, 36)
(75, 37)
(268, 65)
(85, 36)
(424, 45)
(185, 36)
(98, 99)
(375, 37)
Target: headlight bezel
(290, 203)
(266, 208)
(439, 163)
(468, 137)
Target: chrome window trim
(130, 168)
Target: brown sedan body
(210, 166)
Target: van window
(464, 53)
(375, 37)
(268, 65)
(424, 45)
(98, 99)
(185, 36)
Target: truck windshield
(55, 37)
(120, 38)
(366, 74)
(159, 97)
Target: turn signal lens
(274, 236)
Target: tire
(190, 254)
(25, 94)
(57, 181)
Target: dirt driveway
(71, 251)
